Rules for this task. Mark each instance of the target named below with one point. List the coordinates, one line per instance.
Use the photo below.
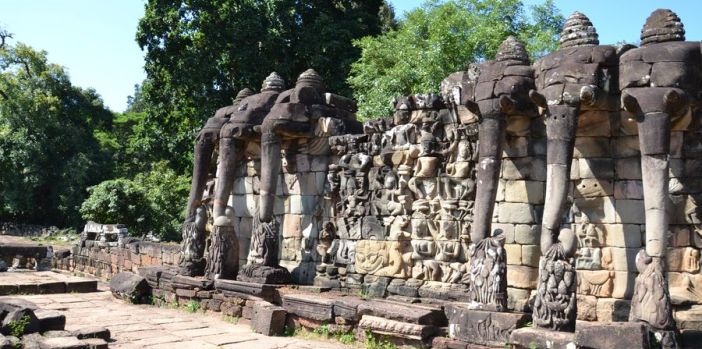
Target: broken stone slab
(129, 287)
(448, 343)
(689, 319)
(268, 319)
(482, 326)
(192, 282)
(81, 286)
(50, 320)
(392, 328)
(232, 288)
(13, 313)
(612, 335)
(309, 306)
(62, 343)
(411, 313)
(96, 343)
(529, 337)
(406, 288)
(262, 274)
(347, 308)
(92, 332)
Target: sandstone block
(613, 335)
(514, 254)
(530, 255)
(610, 309)
(268, 319)
(525, 191)
(597, 209)
(592, 147)
(628, 168)
(630, 211)
(628, 190)
(529, 337)
(593, 187)
(626, 146)
(527, 234)
(511, 212)
(587, 308)
(622, 235)
(596, 168)
(522, 276)
(483, 327)
(623, 284)
(507, 229)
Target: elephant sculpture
(574, 78)
(501, 92)
(223, 255)
(658, 82)
(192, 262)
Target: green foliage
(375, 342)
(200, 53)
(440, 38)
(151, 202)
(48, 153)
(192, 307)
(118, 201)
(17, 327)
(322, 330)
(347, 338)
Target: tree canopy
(48, 153)
(200, 53)
(440, 38)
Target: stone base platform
(43, 282)
(529, 337)
(243, 289)
(483, 327)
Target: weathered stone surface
(411, 313)
(129, 286)
(347, 308)
(613, 335)
(524, 191)
(245, 289)
(522, 276)
(512, 212)
(399, 329)
(612, 309)
(50, 320)
(92, 332)
(483, 327)
(532, 337)
(587, 308)
(309, 306)
(268, 319)
(189, 282)
(12, 313)
(689, 319)
(525, 234)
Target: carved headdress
(578, 31)
(512, 50)
(661, 26)
(242, 94)
(273, 83)
(312, 79)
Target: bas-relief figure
(193, 262)
(574, 78)
(658, 82)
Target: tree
(200, 53)
(151, 202)
(440, 38)
(48, 153)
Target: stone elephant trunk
(654, 108)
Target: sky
(94, 39)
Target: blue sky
(94, 40)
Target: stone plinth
(481, 326)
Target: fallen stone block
(309, 306)
(130, 287)
(612, 335)
(347, 308)
(268, 319)
(50, 320)
(242, 289)
(529, 337)
(62, 343)
(391, 328)
(92, 332)
(447, 343)
(411, 313)
(96, 343)
(192, 282)
(482, 326)
(18, 317)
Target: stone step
(43, 282)
(481, 326)
(309, 306)
(398, 329)
(612, 335)
(421, 314)
(245, 290)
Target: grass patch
(192, 306)
(324, 332)
(376, 342)
(17, 327)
